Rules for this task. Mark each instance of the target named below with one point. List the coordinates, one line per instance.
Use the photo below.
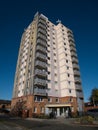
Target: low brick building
(5, 105)
(89, 105)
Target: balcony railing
(77, 79)
(42, 36)
(41, 56)
(40, 82)
(42, 31)
(38, 91)
(74, 59)
(41, 64)
(72, 44)
(42, 26)
(43, 43)
(42, 21)
(72, 48)
(40, 72)
(75, 66)
(76, 72)
(70, 38)
(78, 87)
(40, 48)
(73, 53)
(79, 94)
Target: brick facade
(28, 105)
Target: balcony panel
(41, 56)
(79, 94)
(42, 26)
(78, 87)
(70, 38)
(40, 82)
(41, 64)
(40, 48)
(40, 72)
(73, 53)
(42, 22)
(77, 80)
(42, 42)
(72, 44)
(42, 31)
(38, 91)
(76, 72)
(72, 48)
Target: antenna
(58, 21)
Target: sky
(81, 16)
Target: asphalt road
(36, 124)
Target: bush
(40, 116)
(86, 120)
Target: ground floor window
(35, 109)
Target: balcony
(70, 38)
(42, 36)
(42, 42)
(39, 72)
(74, 60)
(76, 72)
(41, 56)
(79, 94)
(72, 48)
(38, 91)
(75, 66)
(72, 44)
(40, 82)
(40, 48)
(42, 31)
(77, 80)
(73, 53)
(70, 35)
(78, 87)
(40, 64)
(42, 21)
(42, 26)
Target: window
(42, 109)
(48, 58)
(66, 61)
(70, 99)
(68, 75)
(48, 72)
(67, 67)
(54, 60)
(49, 99)
(57, 100)
(54, 54)
(69, 90)
(69, 82)
(65, 54)
(56, 82)
(55, 74)
(35, 109)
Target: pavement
(67, 121)
(16, 123)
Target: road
(7, 123)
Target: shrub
(86, 120)
(40, 116)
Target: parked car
(93, 112)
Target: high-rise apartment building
(47, 75)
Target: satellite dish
(58, 21)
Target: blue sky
(81, 16)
